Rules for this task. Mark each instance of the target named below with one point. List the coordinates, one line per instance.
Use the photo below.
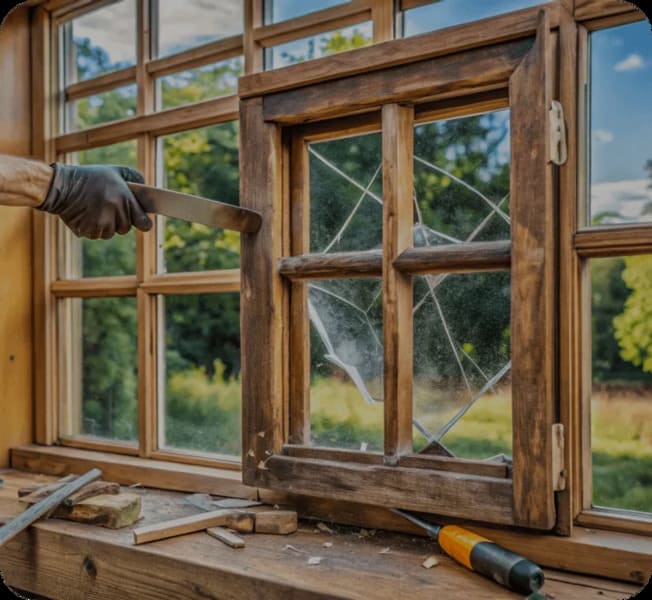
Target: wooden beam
(471, 257)
(102, 83)
(200, 114)
(591, 9)
(196, 57)
(263, 292)
(533, 305)
(334, 265)
(517, 25)
(398, 213)
(461, 74)
(253, 51)
(462, 495)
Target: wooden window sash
(528, 498)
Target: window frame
(274, 320)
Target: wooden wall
(15, 243)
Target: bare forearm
(23, 182)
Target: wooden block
(91, 490)
(280, 522)
(242, 521)
(160, 531)
(224, 535)
(108, 510)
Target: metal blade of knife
(196, 209)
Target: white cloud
(603, 136)
(634, 62)
(628, 198)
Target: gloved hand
(94, 201)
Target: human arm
(94, 201)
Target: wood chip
(293, 549)
(327, 544)
(227, 537)
(430, 562)
(315, 560)
(385, 550)
(324, 528)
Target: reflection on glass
(462, 365)
(621, 125)
(203, 162)
(102, 108)
(346, 364)
(282, 10)
(202, 373)
(100, 41)
(203, 83)
(324, 44)
(346, 210)
(191, 23)
(101, 368)
(461, 180)
(621, 398)
(116, 256)
(445, 13)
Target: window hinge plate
(558, 469)
(558, 144)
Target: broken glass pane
(346, 366)
(461, 180)
(346, 207)
(462, 392)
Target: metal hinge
(558, 468)
(558, 145)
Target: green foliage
(633, 328)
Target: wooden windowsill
(60, 559)
(621, 556)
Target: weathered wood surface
(77, 562)
(334, 265)
(447, 76)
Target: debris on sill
(430, 562)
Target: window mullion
(398, 147)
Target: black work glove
(94, 201)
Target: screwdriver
(483, 556)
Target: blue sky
(621, 118)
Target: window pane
(202, 373)
(346, 211)
(461, 180)
(203, 83)
(101, 108)
(462, 390)
(346, 364)
(100, 362)
(116, 256)
(621, 125)
(445, 13)
(282, 10)
(320, 45)
(203, 162)
(621, 397)
(100, 41)
(191, 23)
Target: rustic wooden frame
(276, 408)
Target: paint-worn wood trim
(533, 306)
(445, 493)
(129, 470)
(614, 240)
(200, 114)
(263, 291)
(517, 25)
(461, 74)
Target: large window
(446, 306)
